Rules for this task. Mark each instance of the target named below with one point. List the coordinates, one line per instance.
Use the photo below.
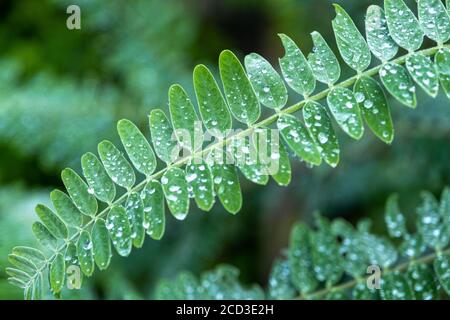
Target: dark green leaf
(200, 183)
(397, 81)
(176, 191)
(78, 190)
(97, 178)
(52, 222)
(57, 273)
(119, 230)
(101, 244)
(323, 62)
(153, 200)
(66, 209)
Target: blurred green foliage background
(62, 91)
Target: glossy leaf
(66, 209)
(395, 286)
(227, 187)
(320, 128)
(280, 285)
(22, 263)
(101, 244)
(374, 108)
(430, 223)
(434, 20)
(52, 222)
(323, 62)
(97, 178)
(241, 97)
(445, 83)
(78, 190)
(137, 147)
(154, 213)
(57, 273)
(135, 212)
(176, 191)
(403, 25)
(395, 220)
(424, 73)
(163, 137)
(200, 183)
(377, 33)
(119, 230)
(442, 60)
(268, 85)
(246, 158)
(43, 236)
(184, 119)
(295, 68)
(442, 269)
(300, 259)
(422, 282)
(351, 44)
(325, 254)
(399, 84)
(85, 253)
(345, 109)
(32, 254)
(298, 139)
(117, 167)
(212, 106)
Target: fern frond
(336, 261)
(123, 219)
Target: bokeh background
(62, 91)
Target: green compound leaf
(280, 285)
(66, 209)
(163, 138)
(227, 187)
(57, 273)
(422, 282)
(298, 139)
(395, 286)
(351, 43)
(85, 253)
(119, 230)
(424, 73)
(374, 108)
(395, 220)
(200, 183)
(300, 259)
(241, 97)
(434, 20)
(345, 109)
(442, 269)
(319, 125)
(283, 175)
(78, 190)
(430, 223)
(212, 106)
(135, 212)
(296, 69)
(267, 83)
(176, 191)
(137, 147)
(18, 274)
(412, 246)
(399, 84)
(154, 212)
(403, 25)
(52, 222)
(184, 119)
(117, 167)
(377, 33)
(101, 244)
(43, 236)
(442, 60)
(97, 178)
(444, 208)
(323, 62)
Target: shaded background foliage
(62, 91)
